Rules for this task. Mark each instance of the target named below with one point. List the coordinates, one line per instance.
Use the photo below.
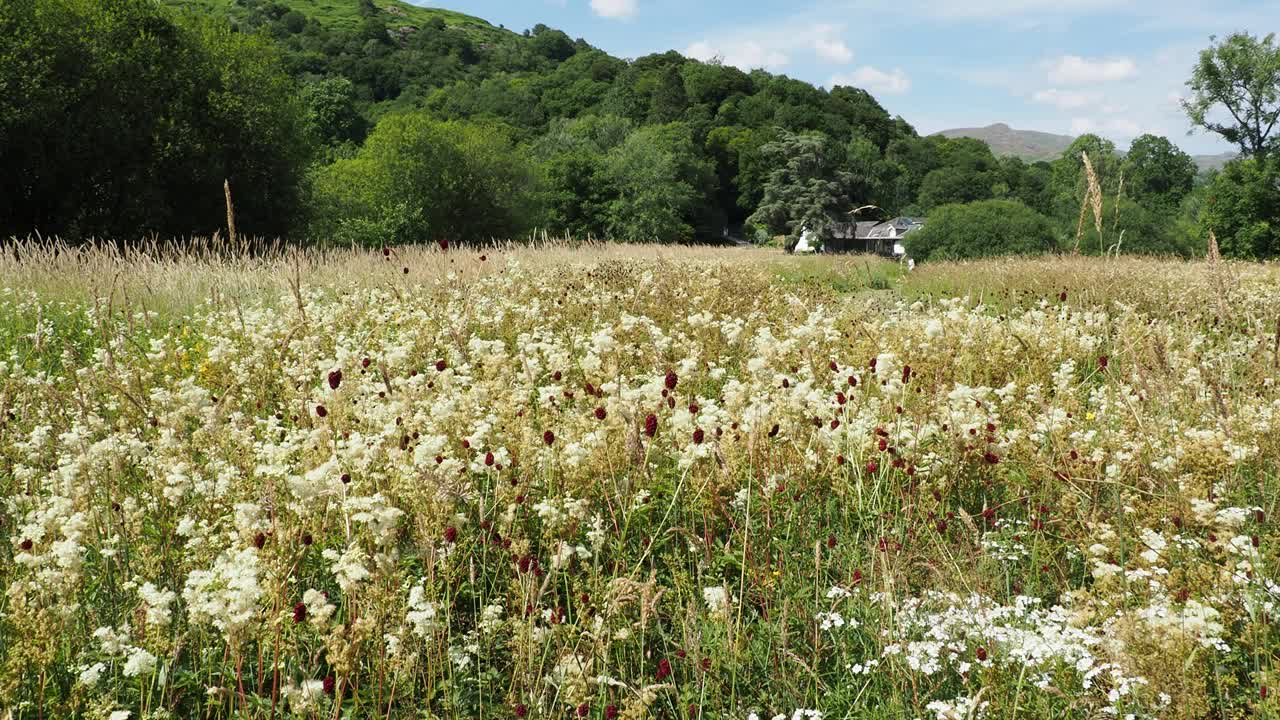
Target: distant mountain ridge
(1033, 146)
(1029, 145)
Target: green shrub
(983, 229)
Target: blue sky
(1115, 67)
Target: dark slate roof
(865, 227)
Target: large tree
(1235, 92)
(807, 189)
(1157, 173)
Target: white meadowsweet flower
(89, 674)
(139, 662)
(716, 599)
(227, 594)
(348, 568)
(158, 601)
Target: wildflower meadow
(611, 482)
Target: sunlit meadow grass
(618, 482)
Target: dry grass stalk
(1216, 276)
(1115, 225)
(1092, 200)
(1094, 195)
(1084, 208)
(231, 213)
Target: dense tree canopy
(1242, 208)
(375, 129)
(119, 121)
(417, 178)
(1157, 173)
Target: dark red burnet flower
(26, 544)
(259, 540)
(991, 458)
(451, 534)
(698, 436)
(549, 437)
(521, 710)
(444, 244)
(671, 380)
(307, 539)
(601, 413)
(299, 612)
(488, 458)
(1103, 360)
(773, 431)
(873, 467)
(981, 654)
(611, 712)
(335, 379)
(525, 563)
(441, 365)
(329, 683)
(693, 710)
(346, 478)
(664, 670)
(651, 425)
(831, 542)
(321, 411)
(584, 710)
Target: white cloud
(614, 9)
(894, 82)
(833, 49)
(774, 47)
(1067, 99)
(1076, 70)
(1118, 128)
(747, 55)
